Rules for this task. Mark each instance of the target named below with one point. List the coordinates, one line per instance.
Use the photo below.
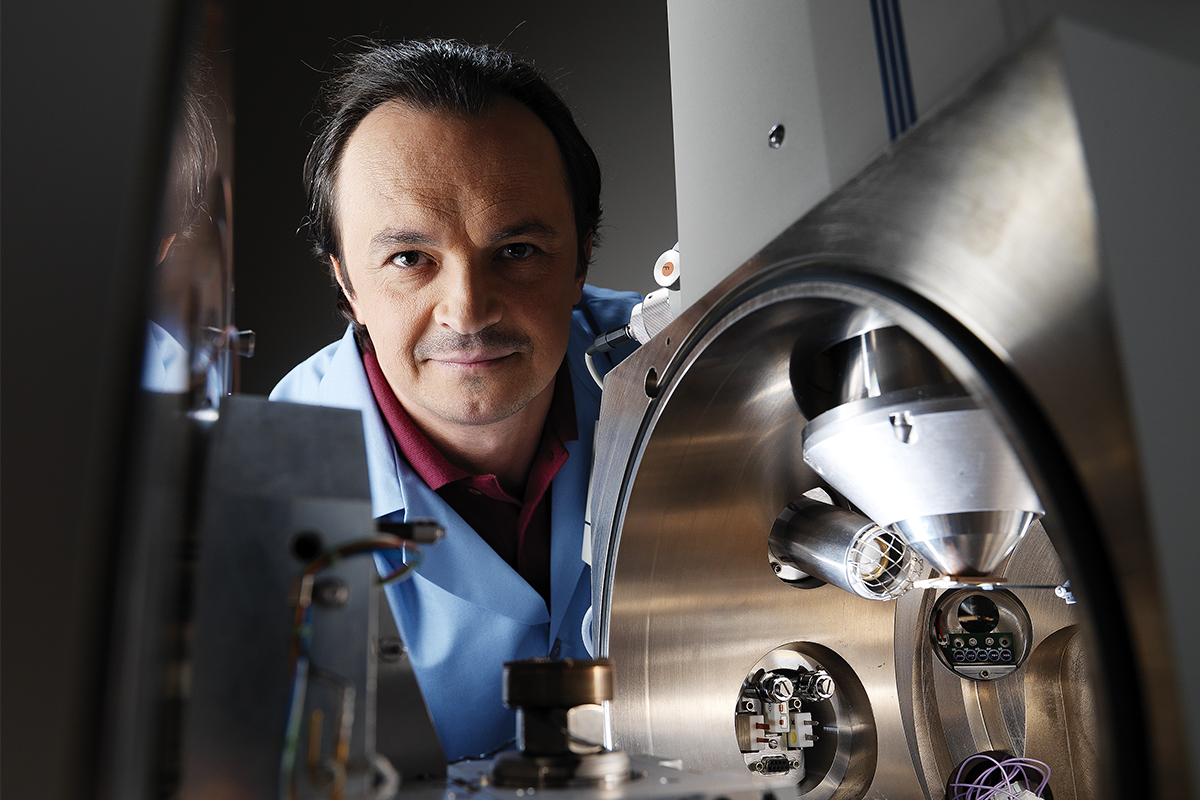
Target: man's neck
(505, 449)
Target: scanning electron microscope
(877, 514)
(871, 517)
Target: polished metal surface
(603, 769)
(543, 683)
(654, 779)
(966, 543)
(940, 469)
(975, 235)
(894, 433)
(875, 363)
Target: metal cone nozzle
(967, 544)
(937, 469)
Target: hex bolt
(777, 687)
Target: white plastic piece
(778, 719)
(762, 740)
(801, 736)
(666, 269)
(651, 315)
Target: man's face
(458, 239)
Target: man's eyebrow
(531, 227)
(391, 238)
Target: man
(456, 204)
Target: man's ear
(347, 290)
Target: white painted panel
(737, 69)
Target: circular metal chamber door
(691, 605)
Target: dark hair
(445, 76)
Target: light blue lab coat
(466, 611)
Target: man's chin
(474, 417)
(487, 409)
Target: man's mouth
(471, 359)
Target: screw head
(775, 137)
(778, 688)
(391, 649)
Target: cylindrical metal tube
(843, 548)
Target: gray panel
(276, 472)
(1139, 117)
(950, 43)
(852, 109)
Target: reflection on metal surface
(950, 483)
(874, 363)
(191, 339)
(975, 236)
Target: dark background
(609, 60)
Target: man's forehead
(430, 143)
(437, 161)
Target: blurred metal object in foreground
(283, 649)
(976, 237)
(560, 726)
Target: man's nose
(468, 303)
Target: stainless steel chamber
(976, 238)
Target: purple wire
(991, 782)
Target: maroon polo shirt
(517, 529)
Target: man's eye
(409, 258)
(517, 251)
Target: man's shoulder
(321, 379)
(601, 310)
